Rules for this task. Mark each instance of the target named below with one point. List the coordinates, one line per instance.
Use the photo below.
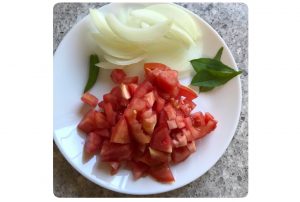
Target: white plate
(70, 73)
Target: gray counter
(229, 176)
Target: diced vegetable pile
(145, 126)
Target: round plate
(70, 73)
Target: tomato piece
(100, 120)
(190, 127)
(180, 140)
(162, 173)
(103, 133)
(115, 152)
(171, 124)
(132, 88)
(147, 113)
(93, 143)
(87, 123)
(204, 130)
(208, 117)
(114, 167)
(161, 140)
(117, 75)
(155, 65)
(146, 159)
(198, 118)
(125, 91)
(150, 99)
(191, 146)
(138, 134)
(138, 169)
(138, 104)
(160, 102)
(143, 89)
(162, 121)
(189, 103)
(132, 79)
(167, 80)
(89, 99)
(101, 104)
(171, 112)
(120, 132)
(159, 156)
(149, 123)
(130, 115)
(111, 115)
(179, 121)
(180, 154)
(188, 134)
(187, 92)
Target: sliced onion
(116, 49)
(108, 65)
(121, 62)
(152, 17)
(137, 34)
(179, 16)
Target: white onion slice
(137, 34)
(116, 49)
(108, 65)
(121, 62)
(179, 16)
(152, 17)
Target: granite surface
(229, 176)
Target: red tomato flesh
(89, 99)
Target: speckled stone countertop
(229, 176)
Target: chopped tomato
(187, 92)
(138, 169)
(180, 154)
(171, 124)
(159, 156)
(87, 124)
(89, 99)
(120, 132)
(161, 140)
(160, 102)
(162, 173)
(204, 130)
(198, 118)
(114, 167)
(117, 75)
(155, 65)
(132, 88)
(103, 133)
(138, 133)
(150, 99)
(111, 115)
(131, 80)
(143, 89)
(188, 134)
(149, 123)
(146, 159)
(170, 112)
(208, 117)
(167, 80)
(191, 146)
(100, 120)
(138, 104)
(179, 121)
(93, 143)
(101, 104)
(115, 152)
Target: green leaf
(210, 78)
(219, 54)
(205, 89)
(93, 73)
(208, 63)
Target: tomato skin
(180, 154)
(117, 75)
(167, 80)
(187, 92)
(100, 120)
(111, 115)
(120, 132)
(115, 152)
(161, 140)
(87, 123)
(132, 79)
(103, 133)
(143, 89)
(89, 99)
(138, 169)
(93, 143)
(162, 173)
(208, 117)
